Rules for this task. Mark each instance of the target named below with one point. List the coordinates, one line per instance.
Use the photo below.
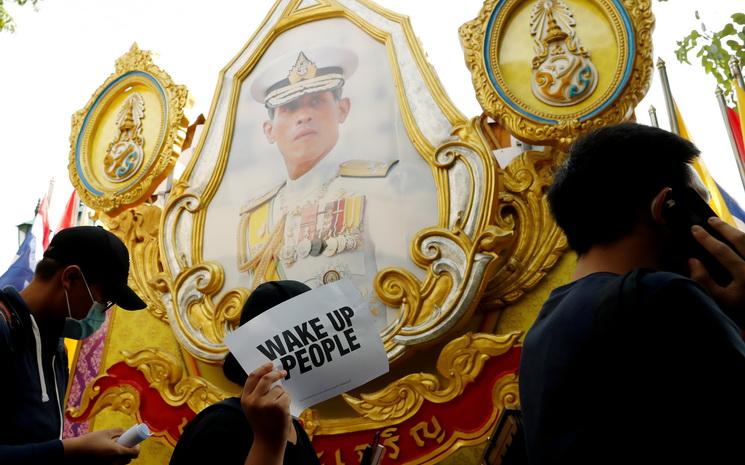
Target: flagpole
(671, 113)
(730, 133)
(49, 192)
(653, 116)
(734, 67)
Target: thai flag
(21, 271)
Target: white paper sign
(325, 339)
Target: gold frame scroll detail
(164, 374)
(460, 362)
(458, 253)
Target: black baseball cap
(266, 296)
(102, 256)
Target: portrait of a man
(312, 226)
(322, 179)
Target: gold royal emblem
(563, 73)
(126, 139)
(548, 91)
(125, 154)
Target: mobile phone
(684, 208)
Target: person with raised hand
(255, 428)
(640, 357)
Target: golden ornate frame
(458, 252)
(135, 66)
(632, 22)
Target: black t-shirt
(222, 432)
(638, 368)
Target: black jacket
(33, 399)
(223, 430)
(639, 368)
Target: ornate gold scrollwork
(203, 322)
(138, 229)
(506, 390)
(164, 374)
(459, 363)
(539, 241)
(460, 257)
(123, 398)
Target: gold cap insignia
(302, 69)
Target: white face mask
(81, 329)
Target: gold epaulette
(365, 168)
(258, 200)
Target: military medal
(330, 276)
(332, 244)
(350, 242)
(316, 247)
(341, 244)
(303, 248)
(288, 254)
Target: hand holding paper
(134, 435)
(266, 406)
(324, 339)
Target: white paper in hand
(325, 339)
(134, 435)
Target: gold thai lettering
(422, 429)
(337, 458)
(360, 448)
(390, 440)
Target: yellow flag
(716, 202)
(72, 353)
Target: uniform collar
(324, 172)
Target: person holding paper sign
(83, 273)
(255, 428)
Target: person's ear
(69, 274)
(658, 204)
(268, 131)
(344, 106)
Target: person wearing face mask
(83, 273)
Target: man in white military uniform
(312, 227)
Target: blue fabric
(21, 271)
(732, 205)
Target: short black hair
(47, 268)
(611, 175)
(267, 295)
(335, 92)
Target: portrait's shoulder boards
(365, 168)
(260, 199)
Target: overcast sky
(61, 53)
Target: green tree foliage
(6, 21)
(715, 48)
